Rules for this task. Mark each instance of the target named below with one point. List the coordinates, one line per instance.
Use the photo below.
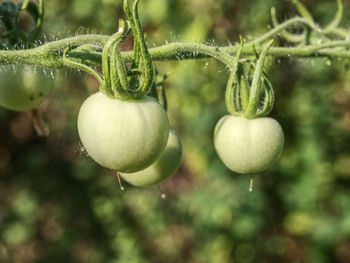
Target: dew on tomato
(248, 145)
(123, 135)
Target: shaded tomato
(24, 88)
(165, 166)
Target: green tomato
(123, 135)
(24, 88)
(248, 145)
(165, 166)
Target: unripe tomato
(24, 88)
(165, 166)
(248, 145)
(123, 135)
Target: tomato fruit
(165, 166)
(124, 135)
(23, 89)
(248, 145)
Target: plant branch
(50, 55)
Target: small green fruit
(24, 88)
(165, 166)
(248, 145)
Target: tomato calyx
(249, 92)
(119, 80)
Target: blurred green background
(57, 205)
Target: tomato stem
(251, 181)
(120, 181)
(256, 83)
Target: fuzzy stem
(50, 55)
(252, 107)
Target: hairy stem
(50, 55)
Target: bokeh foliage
(57, 205)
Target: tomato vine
(335, 45)
(129, 76)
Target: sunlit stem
(251, 182)
(120, 181)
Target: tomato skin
(248, 145)
(123, 135)
(23, 89)
(165, 166)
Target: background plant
(57, 205)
